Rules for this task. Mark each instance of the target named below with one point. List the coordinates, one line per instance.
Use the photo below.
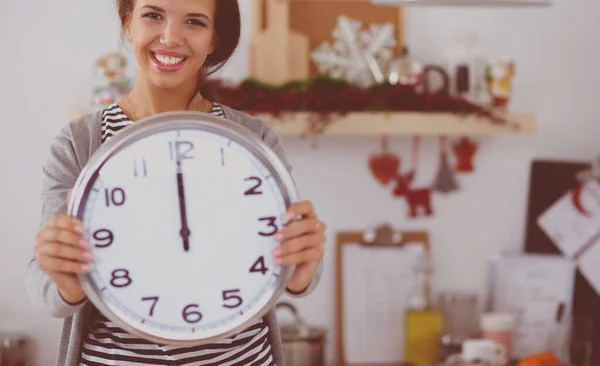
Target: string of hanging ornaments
(386, 167)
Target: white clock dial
(181, 225)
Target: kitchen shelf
(404, 123)
(397, 123)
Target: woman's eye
(197, 22)
(152, 16)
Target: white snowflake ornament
(356, 55)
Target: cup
(498, 327)
(484, 351)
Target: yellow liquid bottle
(423, 324)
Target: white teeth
(168, 60)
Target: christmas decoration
(384, 166)
(404, 70)
(356, 54)
(499, 77)
(419, 200)
(464, 150)
(416, 198)
(114, 83)
(445, 181)
(328, 97)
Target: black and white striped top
(107, 344)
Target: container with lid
(303, 345)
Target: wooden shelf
(401, 123)
(404, 123)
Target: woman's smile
(168, 61)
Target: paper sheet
(533, 287)
(376, 285)
(574, 220)
(589, 265)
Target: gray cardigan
(69, 152)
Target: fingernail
(84, 244)
(276, 252)
(86, 267)
(79, 228)
(278, 261)
(278, 236)
(289, 216)
(88, 256)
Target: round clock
(180, 210)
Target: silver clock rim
(173, 121)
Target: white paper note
(589, 265)
(376, 285)
(533, 286)
(574, 220)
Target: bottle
(423, 322)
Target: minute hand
(185, 231)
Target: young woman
(177, 43)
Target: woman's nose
(172, 35)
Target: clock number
(270, 223)
(231, 295)
(120, 278)
(253, 190)
(115, 196)
(259, 266)
(140, 170)
(191, 316)
(181, 150)
(104, 238)
(154, 300)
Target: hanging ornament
(419, 200)
(464, 150)
(445, 181)
(385, 165)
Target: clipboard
(383, 249)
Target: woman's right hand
(62, 253)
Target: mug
(484, 350)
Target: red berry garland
(328, 97)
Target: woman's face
(171, 39)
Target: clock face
(181, 225)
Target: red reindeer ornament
(417, 199)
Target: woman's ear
(213, 45)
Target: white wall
(49, 48)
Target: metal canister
(303, 345)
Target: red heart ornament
(384, 167)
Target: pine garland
(329, 97)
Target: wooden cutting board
(278, 53)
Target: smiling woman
(177, 44)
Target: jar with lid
(459, 312)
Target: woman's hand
(62, 253)
(303, 244)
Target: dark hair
(227, 23)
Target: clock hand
(185, 231)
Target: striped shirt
(107, 344)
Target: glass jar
(459, 313)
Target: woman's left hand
(302, 244)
